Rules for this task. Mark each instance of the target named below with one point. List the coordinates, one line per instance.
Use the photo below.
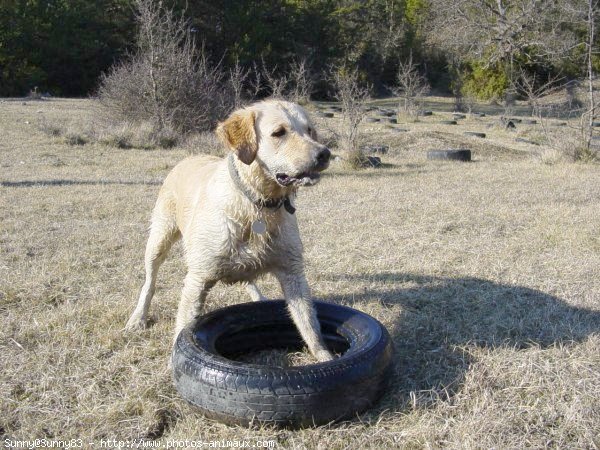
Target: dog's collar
(273, 203)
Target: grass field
(487, 275)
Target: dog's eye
(278, 133)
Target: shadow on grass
(439, 315)
(35, 183)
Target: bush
(71, 133)
(356, 159)
(165, 138)
(411, 86)
(52, 128)
(166, 81)
(204, 143)
(73, 137)
(138, 135)
(484, 83)
(353, 95)
(584, 153)
(118, 136)
(565, 146)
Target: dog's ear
(238, 133)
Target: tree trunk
(590, 70)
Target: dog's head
(280, 137)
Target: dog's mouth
(302, 179)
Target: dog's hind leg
(163, 233)
(254, 292)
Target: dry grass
(486, 274)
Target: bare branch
(353, 95)
(411, 85)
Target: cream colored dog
(236, 217)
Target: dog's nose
(323, 156)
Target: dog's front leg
(195, 290)
(297, 295)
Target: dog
(236, 217)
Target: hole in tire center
(276, 344)
(278, 357)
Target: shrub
(166, 80)
(138, 135)
(302, 81)
(73, 137)
(411, 86)
(585, 153)
(51, 128)
(165, 138)
(484, 83)
(204, 143)
(356, 159)
(353, 96)
(118, 136)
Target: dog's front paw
(324, 355)
(136, 323)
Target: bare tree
(277, 84)
(353, 95)
(590, 20)
(589, 13)
(583, 14)
(167, 80)
(495, 31)
(302, 81)
(237, 79)
(529, 86)
(411, 85)
(256, 82)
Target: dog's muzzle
(309, 177)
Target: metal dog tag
(259, 227)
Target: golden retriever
(236, 217)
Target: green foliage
(484, 83)
(63, 46)
(59, 45)
(415, 12)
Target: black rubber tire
(475, 134)
(448, 122)
(240, 393)
(526, 141)
(374, 149)
(453, 155)
(372, 161)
